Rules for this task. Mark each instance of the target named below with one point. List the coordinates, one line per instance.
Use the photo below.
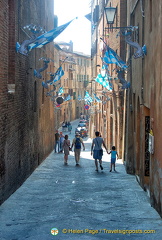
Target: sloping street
(79, 202)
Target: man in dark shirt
(57, 141)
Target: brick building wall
(26, 115)
(145, 100)
(109, 117)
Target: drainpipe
(143, 34)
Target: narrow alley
(69, 202)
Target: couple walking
(77, 141)
(97, 152)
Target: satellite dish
(59, 100)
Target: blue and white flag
(88, 98)
(54, 77)
(37, 73)
(40, 41)
(58, 74)
(79, 98)
(97, 98)
(48, 37)
(67, 98)
(60, 91)
(104, 81)
(111, 57)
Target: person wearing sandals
(66, 147)
(97, 151)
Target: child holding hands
(114, 155)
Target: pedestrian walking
(97, 151)
(66, 148)
(57, 141)
(114, 155)
(61, 142)
(69, 127)
(77, 141)
(63, 126)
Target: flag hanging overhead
(54, 77)
(111, 56)
(104, 81)
(67, 98)
(48, 37)
(60, 91)
(40, 41)
(59, 73)
(96, 98)
(79, 98)
(88, 98)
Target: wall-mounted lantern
(110, 14)
(127, 32)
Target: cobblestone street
(79, 202)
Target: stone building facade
(144, 104)
(108, 117)
(77, 74)
(26, 115)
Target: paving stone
(80, 202)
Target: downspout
(143, 35)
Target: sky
(79, 31)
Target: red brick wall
(26, 123)
(3, 79)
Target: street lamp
(110, 14)
(126, 32)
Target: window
(74, 95)
(71, 92)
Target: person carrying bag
(77, 142)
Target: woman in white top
(66, 146)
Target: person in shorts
(77, 142)
(114, 155)
(97, 151)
